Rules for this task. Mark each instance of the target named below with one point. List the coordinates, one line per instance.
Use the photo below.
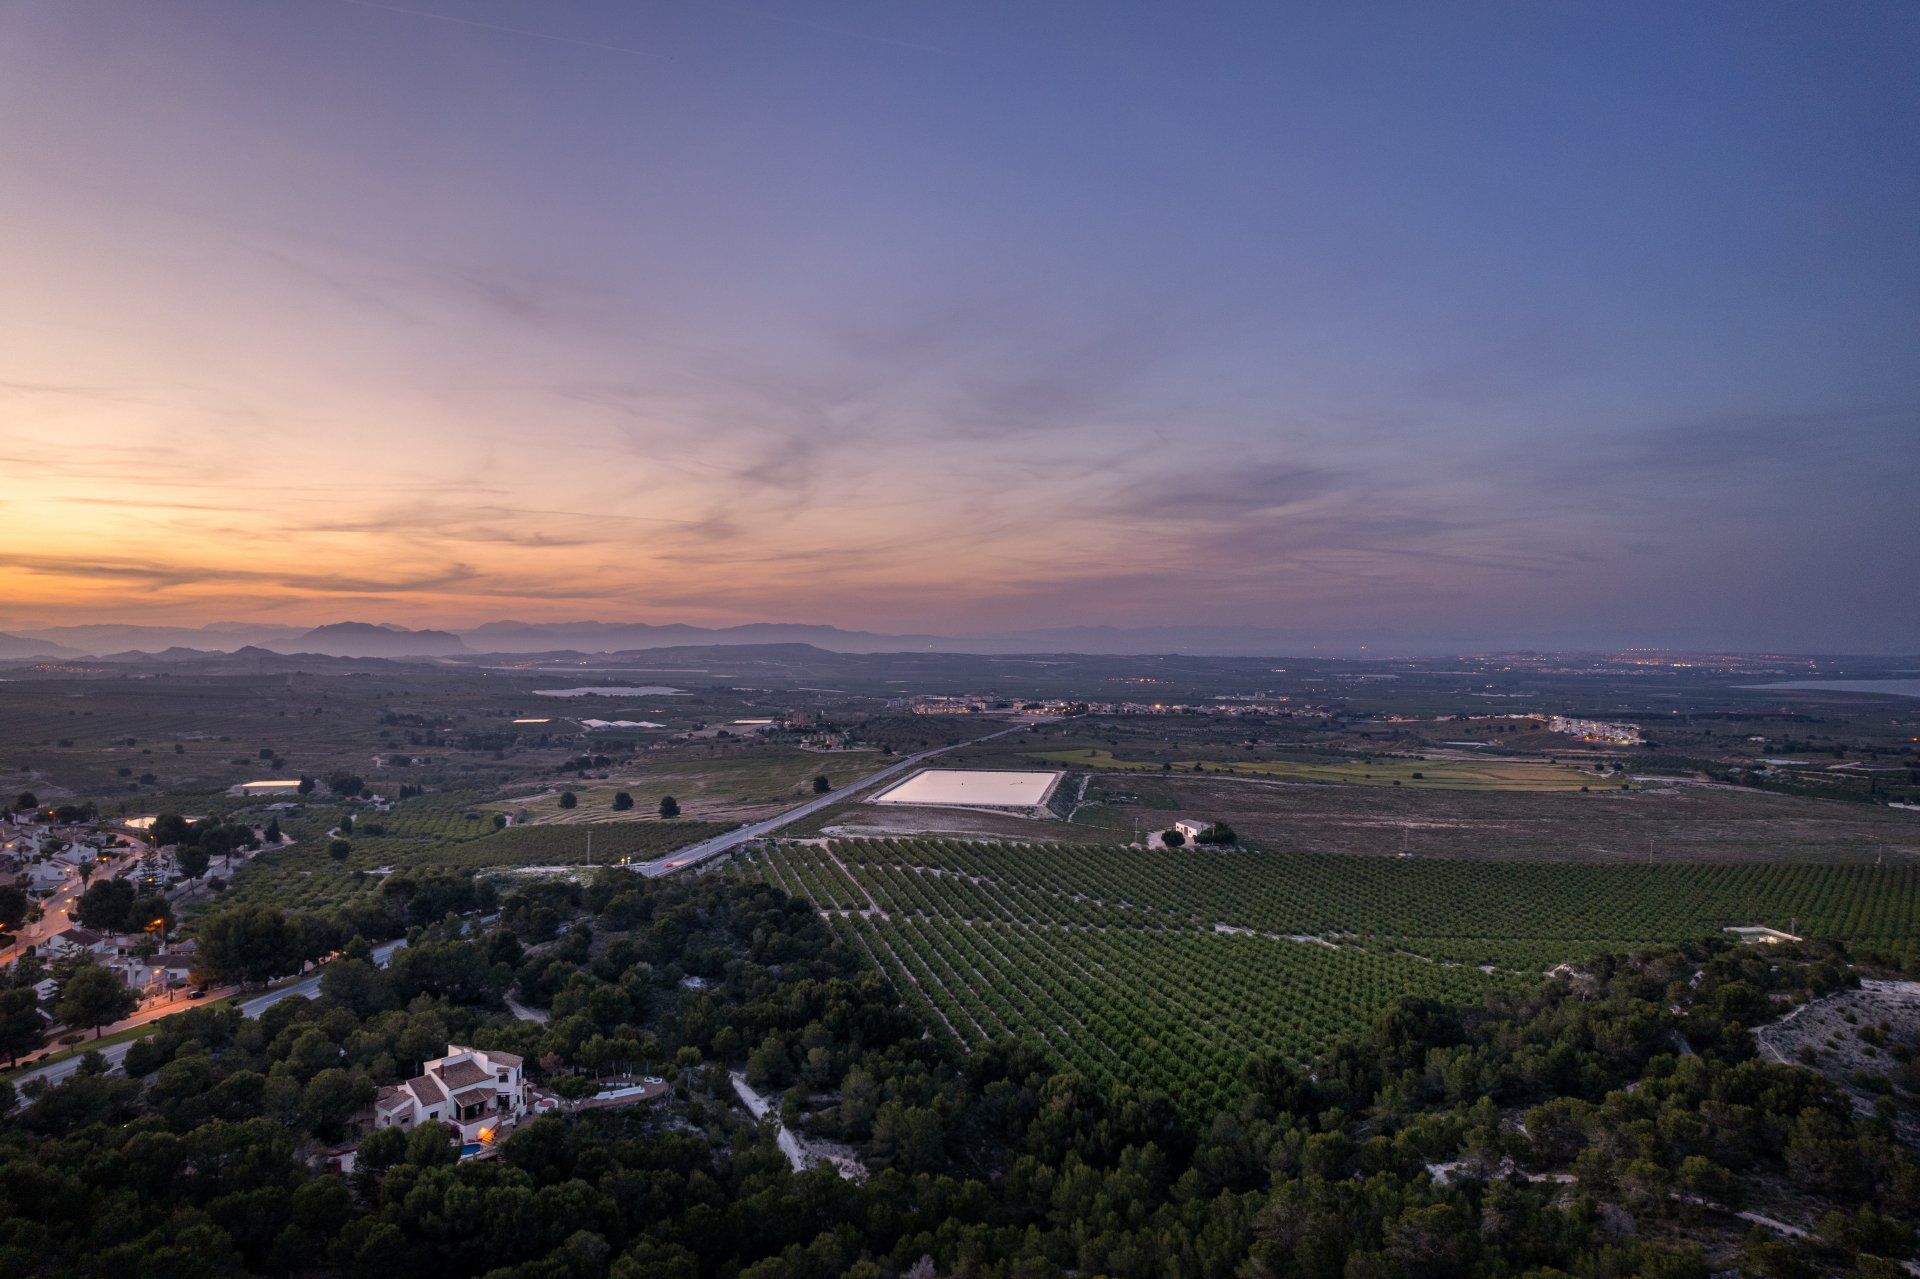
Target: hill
(363, 639)
(16, 646)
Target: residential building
(166, 969)
(1596, 730)
(79, 941)
(477, 1091)
(1192, 830)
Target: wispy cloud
(163, 574)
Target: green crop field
(568, 845)
(304, 875)
(1169, 968)
(1430, 774)
(730, 787)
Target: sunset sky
(1588, 321)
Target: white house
(1192, 830)
(79, 941)
(168, 968)
(76, 855)
(44, 876)
(475, 1090)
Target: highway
(706, 850)
(308, 987)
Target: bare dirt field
(1668, 823)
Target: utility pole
(589, 845)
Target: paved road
(308, 986)
(56, 908)
(711, 848)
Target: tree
(431, 1144)
(27, 802)
(568, 799)
(104, 906)
(193, 860)
(330, 1099)
(13, 906)
(168, 829)
(92, 997)
(357, 984)
(382, 1149)
(622, 802)
(251, 944)
(20, 1029)
(150, 912)
(306, 786)
(821, 785)
(339, 849)
(669, 807)
(273, 831)
(1172, 838)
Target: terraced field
(1170, 968)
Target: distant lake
(1895, 687)
(612, 690)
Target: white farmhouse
(475, 1090)
(1192, 830)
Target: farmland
(304, 875)
(732, 783)
(1152, 966)
(1421, 774)
(1665, 821)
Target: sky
(1555, 322)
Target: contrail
(511, 31)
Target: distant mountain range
(364, 639)
(242, 661)
(360, 639)
(14, 646)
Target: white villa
(475, 1090)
